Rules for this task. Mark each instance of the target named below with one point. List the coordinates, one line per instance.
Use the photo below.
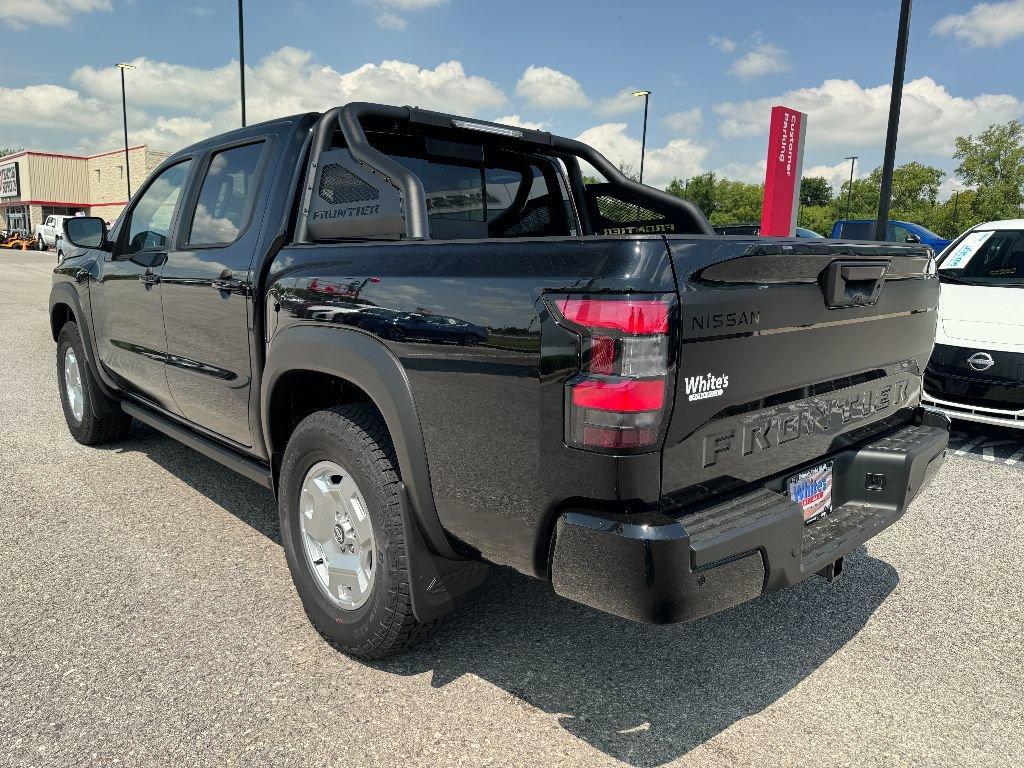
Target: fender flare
(357, 357)
(65, 293)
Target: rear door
(788, 350)
(206, 283)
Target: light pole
(241, 57)
(895, 102)
(849, 188)
(124, 116)
(643, 141)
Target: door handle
(149, 278)
(228, 283)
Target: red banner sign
(782, 176)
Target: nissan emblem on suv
(981, 361)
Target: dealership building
(34, 185)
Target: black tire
(356, 438)
(92, 428)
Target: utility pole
(241, 57)
(124, 116)
(643, 141)
(895, 102)
(849, 188)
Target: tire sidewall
(310, 444)
(70, 338)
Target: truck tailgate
(789, 351)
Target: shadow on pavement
(645, 695)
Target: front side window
(149, 225)
(226, 197)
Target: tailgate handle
(852, 283)
(873, 272)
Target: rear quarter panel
(490, 410)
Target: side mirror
(85, 231)
(912, 238)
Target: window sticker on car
(964, 252)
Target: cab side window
(226, 198)
(149, 224)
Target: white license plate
(812, 490)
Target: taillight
(617, 402)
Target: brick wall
(108, 191)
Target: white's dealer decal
(706, 386)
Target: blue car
(897, 232)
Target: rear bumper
(661, 569)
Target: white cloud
(164, 133)
(389, 17)
(680, 158)
(762, 59)
(53, 106)
(623, 102)
(686, 122)
(950, 185)
(547, 88)
(173, 105)
(986, 24)
(842, 112)
(724, 44)
(161, 84)
(291, 80)
(518, 122)
(752, 173)
(49, 13)
(836, 175)
(411, 5)
(391, 21)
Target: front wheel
(342, 531)
(79, 393)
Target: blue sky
(715, 68)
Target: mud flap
(438, 585)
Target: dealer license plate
(812, 490)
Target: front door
(126, 295)
(206, 285)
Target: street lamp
(124, 116)
(849, 189)
(241, 57)
(643, 142)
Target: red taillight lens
(622, 395)
(617, 401)
(628, 315)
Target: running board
(246, 467)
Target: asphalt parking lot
(147, 618)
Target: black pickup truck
(441, 348)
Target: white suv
(50, 231)
(976, 371)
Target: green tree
(5, 151)
(993, 163)
(815, 191)
(699, 190)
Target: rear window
(986, 257)
(484, 193)
(858, 230)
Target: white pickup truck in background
(49, 232)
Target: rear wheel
(79, 392)
(341, 526)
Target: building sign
(9, 180)
(784, 171)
